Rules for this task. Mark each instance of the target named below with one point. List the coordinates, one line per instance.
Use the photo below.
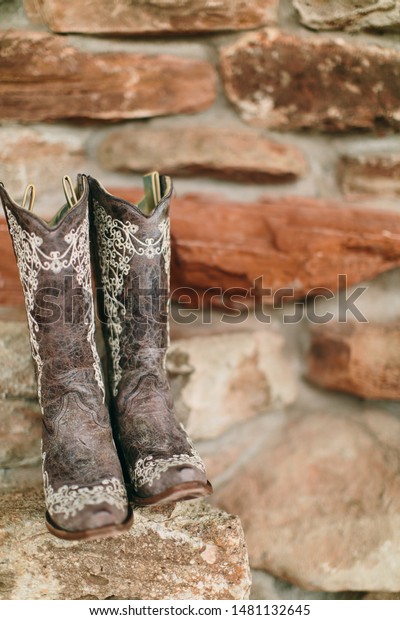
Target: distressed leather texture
(83, 478)
(146, 428)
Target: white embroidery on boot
(31, 259)
(118, 243)
(149, 469)
(68, 500)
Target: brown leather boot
(133, 251)
(84, 489)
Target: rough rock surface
(244, 155)
(220, 246)
(109, 86)
(158, 16)
(360, 358)
(370, 175)
(221, 380)
(187, 551)
(319, 499)
(351, 15)
(284, 81)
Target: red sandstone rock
(300, 243)
(360, 358)
(158, 16)
(45, 78)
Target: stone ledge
(186, 551)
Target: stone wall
(280, 124)
(214, 93)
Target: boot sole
(108, 531)
(178, 493)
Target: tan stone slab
(367, 175)
(351, 15)
(184, 551)
(218, 381)
(240, 155)
(223, 380)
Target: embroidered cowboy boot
(133, 260)
(84, 490)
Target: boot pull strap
(69, 191)
(152, 193)
(31, 192)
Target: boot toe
(72, 508)
(91, 518)
(171, 478)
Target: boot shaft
(133, 262)
(55, 273)
(83, 484)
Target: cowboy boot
(132, 246)
(84, 490)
